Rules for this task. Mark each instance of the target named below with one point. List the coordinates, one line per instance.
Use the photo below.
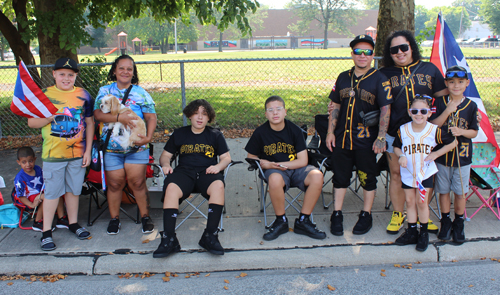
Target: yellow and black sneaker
(431, 227)
(397, 222)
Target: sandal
(47, 244)
(83, 234)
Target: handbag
(9, 216)
(370, 119)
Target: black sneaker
(336, 226)
(62, 222)
(168, 245)
(306, 227)
(147, 225)
(210, 242)
(38, 225)
(458, 231)
(445, 231)
(423, 241)
(364, 223)
(277, 229)
(409, 236)
(114, 226)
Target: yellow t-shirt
(64, 138)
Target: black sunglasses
(395, 49)
(457, 74)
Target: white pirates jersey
(416, 147)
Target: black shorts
(366, 164)
(427, 183)
(191, 180)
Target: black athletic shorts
(427, 183)
(366, 164)
(191, 180)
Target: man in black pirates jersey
(198, 147)
(357, 92)
(281, 149)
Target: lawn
(237, 89)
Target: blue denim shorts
(390, 140)
(116, 161)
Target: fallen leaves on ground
(382, 274)
(166, 279)
(10, 284)
(208, 274)
(330, 287)
(243, 275)
(226, 281)
(146, 241)
(225, 288)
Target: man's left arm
(379, 146)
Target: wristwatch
(381, 139)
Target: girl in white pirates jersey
(414, 147)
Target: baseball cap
(362, 38)
(66, 63)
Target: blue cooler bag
(9, 216)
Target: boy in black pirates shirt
(457, 114)
(198, 146)
(281, 149)
(353, 141)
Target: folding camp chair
(23, 208)
(484, 176)
(292, 201)
(92, 186)
(191, 200)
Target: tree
(336, 15)
(371, 4)
(99, 38)
(471, 6)
(393, 15)
(452, 16)
(147, 28)
(59, 24)
(421, 16)
(491, 12)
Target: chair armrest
(314, 142)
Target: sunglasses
(359, 51)
(395, 49)
(422, 111)
(456, 74)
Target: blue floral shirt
(138, 101)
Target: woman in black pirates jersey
(409, 76)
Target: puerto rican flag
(447, 53)
(29, 100)
(421, 190)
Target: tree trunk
(393, 15)
(49, 46)
(220, 41)
(325, 36)
(99, 49)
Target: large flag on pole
(29, 100)
(447, 53)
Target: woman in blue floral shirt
(129, 165)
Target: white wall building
(478, 30)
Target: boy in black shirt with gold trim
(281, 149)
(198, 146)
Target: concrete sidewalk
(130, 250)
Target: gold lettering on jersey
(279, 148)
(205, 149)
(417, 148)
(368, 97)
(422, 80)
(386, 83)
(344, 93)
(394, 81)
(456, 122)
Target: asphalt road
(472, 277)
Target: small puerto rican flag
(421, 189)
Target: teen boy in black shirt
(281, 149)
(198, 146)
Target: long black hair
(111, 74)
(388, 61)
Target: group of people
(361, 125)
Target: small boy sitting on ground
(281, 149)
(459, 115)
(198, 146)
(28, 189)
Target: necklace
(352, 92)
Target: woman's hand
(143, 141)
(127, 120)
(403, 162)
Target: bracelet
(329, 133)
(402, 155)
(117, 117)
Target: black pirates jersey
(466, 118)
(364, 94)
(426, 81)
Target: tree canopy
(59, 25)
(491, 12)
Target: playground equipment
(137, 49)
(111, 51)
(122, 42)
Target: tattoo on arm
(334, 115)
(385, 114)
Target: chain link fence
(236, 88)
